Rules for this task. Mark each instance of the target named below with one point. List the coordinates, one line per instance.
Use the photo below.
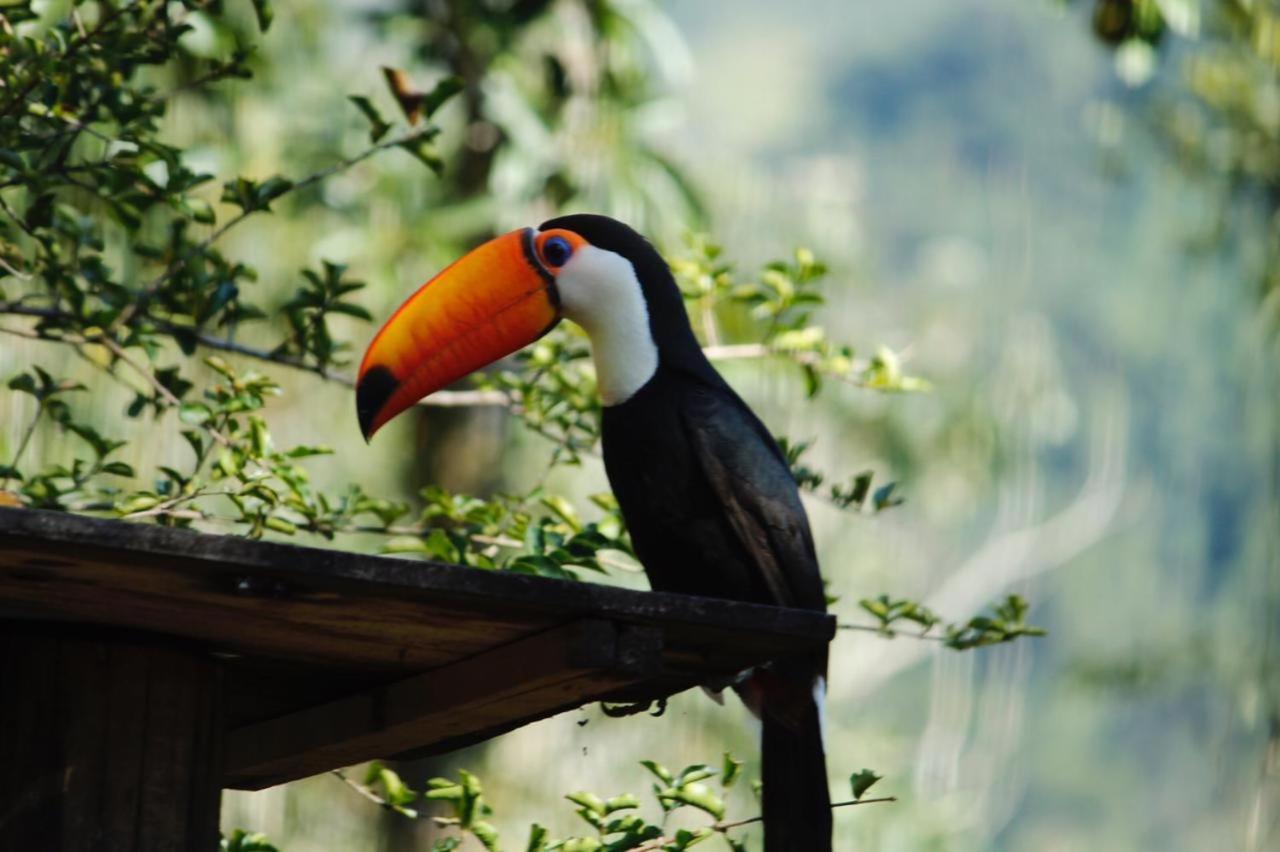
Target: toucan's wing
(761, 502)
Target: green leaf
(443, 789)
(195, 440)
(280, 525)
(564, 510)
(883, 498)
(24, 383)
(271, 189)
(685, 838)
(730, 769)
(201, 211)
(861, 782)
(541, 566)
(443, 91)
(138, 503)
(194, 413)
(486, 834)
(229, 462)
(242, 841)
(622, 802)
(696, 795)
(696, 772)
(302, 451)
(879, 607)
(659, 770)
(425, 152)
(537, 839)
(264, 13)
(590, 801)
(581, 844)
(351, 310)
(378, 126)
(12, 159)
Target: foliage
(1005, 622)
(243, 841)
(99, 201)
(109, 247)
(562, 102)
(617, 823)
(1208, 71)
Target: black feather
(713, 510)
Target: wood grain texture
(552, 671)
(109, 742)
(333, 658)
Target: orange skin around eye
(484, 306)
(575, 242)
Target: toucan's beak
(486, 305)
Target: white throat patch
(599, 291)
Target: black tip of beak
(375, 387)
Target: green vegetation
(113, 250)
(205, 203)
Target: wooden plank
(267, 570)
(332, 658)
(107, 742)
(534, 677)
(363, 632)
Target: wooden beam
(332, 658)
(472, 699)
(257, 578)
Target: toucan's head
(512, 290)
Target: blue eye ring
(556, 251)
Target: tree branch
(79, 41)
(758, 351)
(721, 827)
(440, 399)
(177, 263)
(892, 633)
(649, 846)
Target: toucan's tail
(788, 697)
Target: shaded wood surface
(333, 657)
(108, 742)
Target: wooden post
(108, 741)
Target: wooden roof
(333, 658)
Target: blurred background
(1061, 214)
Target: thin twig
(649, 846)
(22, 445)
(439, 399)
(870, 628)
(367, 793)
(722, 827)
(14, 271)
(166, 507)
(211, 76)
(14, 216)
(516, 544)
(178, 262)
(23, 332)
(756, 351)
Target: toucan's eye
(556, 251)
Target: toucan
(706, 493)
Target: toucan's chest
(649, 458)
(677, 522)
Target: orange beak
(483, 307)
